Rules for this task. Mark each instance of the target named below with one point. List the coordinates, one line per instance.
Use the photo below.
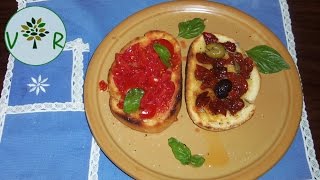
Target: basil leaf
(132, 100)
(191, 28)
(197, 160)
(267, 59)
(163, 53)
(180, 151)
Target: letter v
(14, 41)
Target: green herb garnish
(191, 28)
(163, 53)
(132, 100)
(268, 60)
(182, 153)
(197, 160)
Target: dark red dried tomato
(235, 105)
(236, 56)
(204, 59)
(246, 67)
(220, 72)
(218, 106)
(210, 77)
(239, 85)
(245, 64)
(202, 73)
(209, 38)
(208, 83)
(229, 46)
(203, 99)
(219, 62)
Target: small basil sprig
(182, 153)
(163, 53)
(132, 100)
(191, 28)
(268, 60)
(197, 160)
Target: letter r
(57, 39)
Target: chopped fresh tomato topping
(103, 86)
(141, 67)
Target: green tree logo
(34, 30)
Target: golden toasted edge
(153, 125)
(160, 121)
(217, 122)
(254, 86)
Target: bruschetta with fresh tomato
(145, 82)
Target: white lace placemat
(304, 124)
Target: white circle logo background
(47, 48)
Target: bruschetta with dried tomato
(222, 83)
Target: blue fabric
(56, 145)
(45, 146)
(293, 165)
(59, 80)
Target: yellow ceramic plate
(247, 151)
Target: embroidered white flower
(38, 85)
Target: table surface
(305, 27)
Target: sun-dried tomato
(204, 59)
(235, 105)
(202, 73)
(203, 99)
(230, 46)
(239, 85)
(210, 77)
(245, 64)
(209, 38)
(218, 106)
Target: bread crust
(202, 117)
(161, 120)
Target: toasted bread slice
(162, 118)
(203, 117)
